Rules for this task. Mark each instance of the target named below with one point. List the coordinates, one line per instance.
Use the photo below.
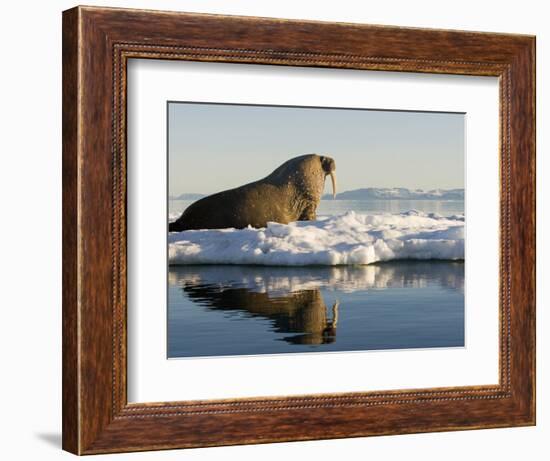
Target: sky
(213, 147)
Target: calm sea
(250, 310)
(336, 207)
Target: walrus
(304, 313)
(291, 193)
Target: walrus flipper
(309, 213)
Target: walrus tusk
(333, 179)
(335, 307)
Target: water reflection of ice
(277, 281)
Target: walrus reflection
(291, 298)
(303, 313)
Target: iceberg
(401, 193)
(348, 239)
(281, 281)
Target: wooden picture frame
(97, 43)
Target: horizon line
(351, 190)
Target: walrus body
(291, 193)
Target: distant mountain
(187, 196)
(399, 193)
(372, 193)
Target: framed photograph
(281, 230)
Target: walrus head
(308, 173)
(329, 167)
(305, 176)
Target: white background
(152, 378)
(30, 250)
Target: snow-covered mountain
(374, 193)
(399, 193)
